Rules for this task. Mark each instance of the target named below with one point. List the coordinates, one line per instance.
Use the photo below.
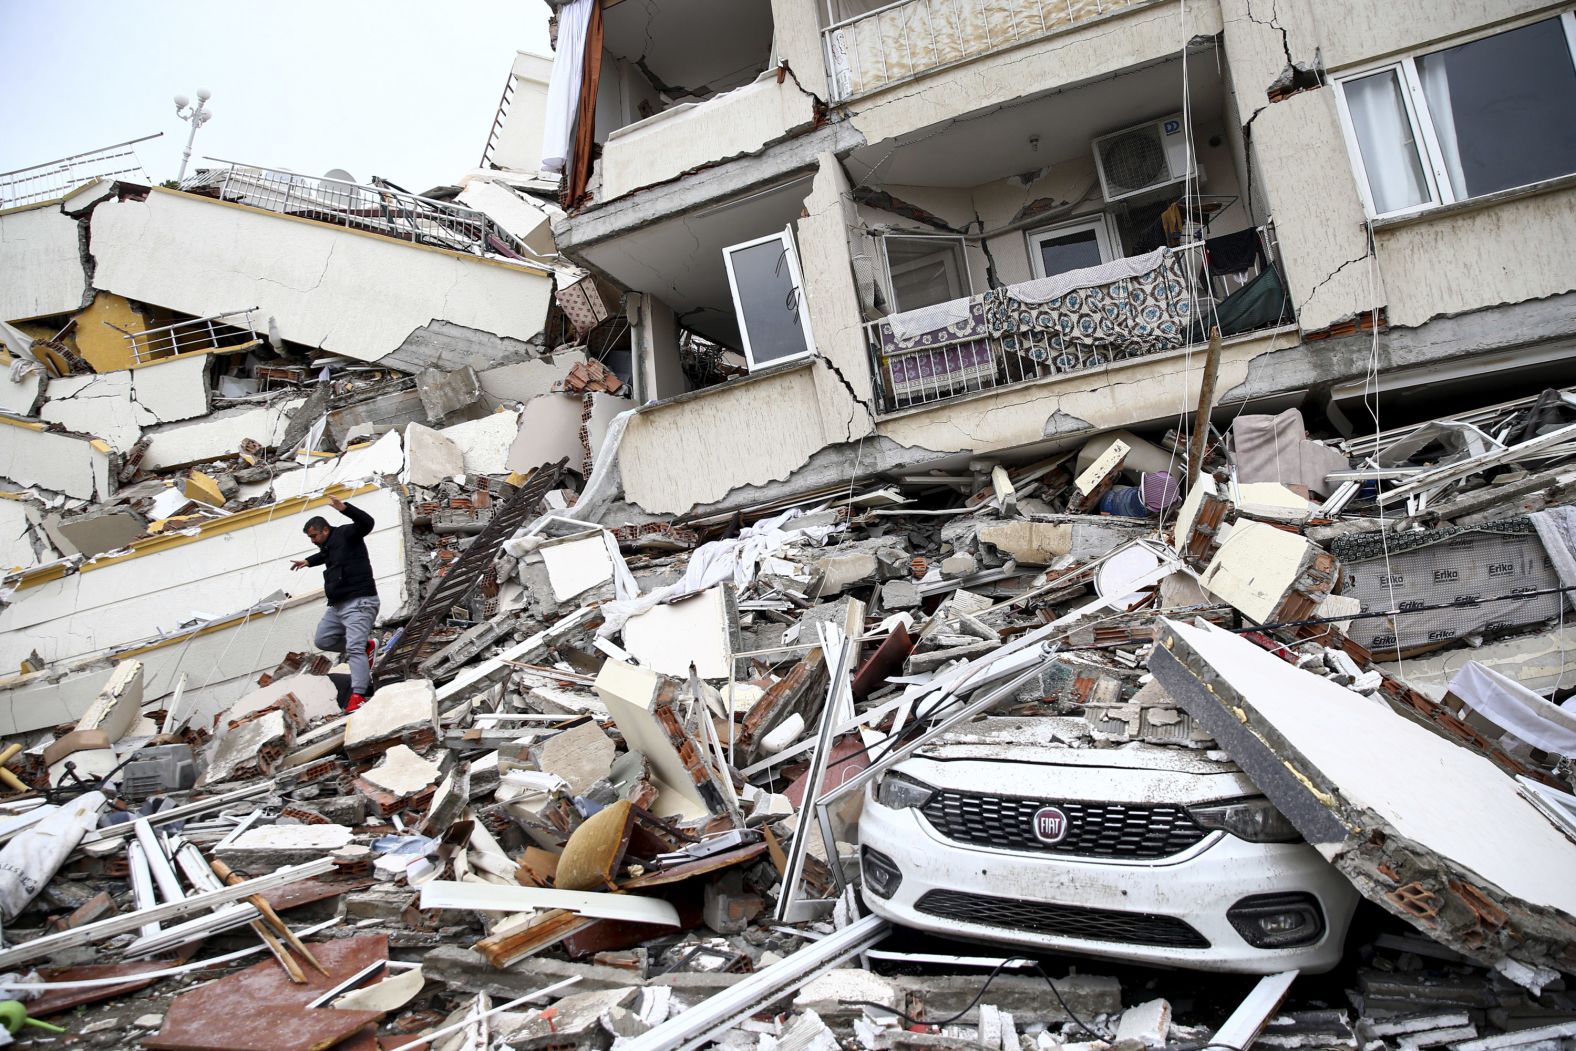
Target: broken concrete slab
(252, 749)
(400, 712)
(93, 534)
(77, 465)
(119, 703)
(582, 755)
(1040, 542)
(1382, 798)
(631, 695)
(316, 695)
(697, 629)
(1269, 574)
(268, 847)
(430, 457)
(400, 780)
(485, 444)
(20, 394)
(577, 564)
(549, 431)
(445, 391)
(218, 434)
(524, 380)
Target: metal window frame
(1421, 119)
(795, 276)
(1100, 222)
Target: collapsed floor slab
(1385, 800)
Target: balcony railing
(377, 209)
(41, 182)
(232, 331)
(1075, 322)
(910, 37)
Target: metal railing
(905, 39)
(232, 330)
(42, 182)
(377, 209)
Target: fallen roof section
(1421, 826)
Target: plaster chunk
(316, 694)
(402, 772)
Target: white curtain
(1395, 174)
(1432, 70)
(563, 89)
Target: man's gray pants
(344, 629)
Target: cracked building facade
(882, 219)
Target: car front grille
(1066, 921)
(1095, 830)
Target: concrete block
(317, 696)
(1269, 574)
(399, 779)
(269, 847)
(1148, 1023)
(899, 594)
(204, 489)
(119, 703)
(1039, 543)
(961, 564)
(430, 457)
(824, 994)
(576, 566)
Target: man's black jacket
(347, 571)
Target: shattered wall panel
(234, 563)
(41, 262)
(218, 434)
(1423, 827)
(1412, 570)
(347, 292)
(74, 464)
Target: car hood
(1066, 741)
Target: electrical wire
(1039, 970)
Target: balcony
(1076, 321)
(903, 40)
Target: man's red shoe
(356, 701)
(372, 649)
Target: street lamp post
(196, 116)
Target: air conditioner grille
(1133, 160)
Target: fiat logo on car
(1050, 825)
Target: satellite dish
(338, 174)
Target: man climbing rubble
(351, 591)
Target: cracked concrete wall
(344, 291)
(116, 601)
(739, 123)
(697, 449)
(1433, 266)
(844, 389)
(1151, 33)
(116, 406)
(23, 543)
(77, 465)
(218, 434)
(796, 40)
(1131, 393)
(40, 261)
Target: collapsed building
(1084, 478)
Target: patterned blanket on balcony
(1123, 309)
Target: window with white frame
(768, 299)
(1466, 121)
(1071, 246)
(925, 270)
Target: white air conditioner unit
(1142, 158)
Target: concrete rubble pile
(622, 787)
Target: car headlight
(1255, 820)
(900, 791)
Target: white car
(1146, 853)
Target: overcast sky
(396, 88)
